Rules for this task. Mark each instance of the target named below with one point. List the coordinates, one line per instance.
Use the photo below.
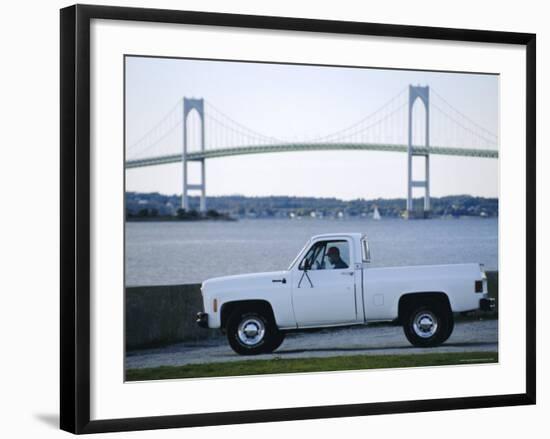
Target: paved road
(358, 340)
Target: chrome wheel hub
(425, 324)
(251, 331)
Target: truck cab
(326, 279)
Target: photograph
(286, 218)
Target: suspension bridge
(397, 126)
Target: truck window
(327, 255)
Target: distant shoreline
(142, 205)
(305, 218)
(164, 219)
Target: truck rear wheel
(428, 325)
(252, 332)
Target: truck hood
(240, 282)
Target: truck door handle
(283, 280)
(347, 273)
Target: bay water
(169, 253)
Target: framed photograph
(275, 218)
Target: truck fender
(406, 300)
(256, 304)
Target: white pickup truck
(330, 284)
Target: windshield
(299, 253)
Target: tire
(450, 328)
(252, 332)
(276, 341)
(428, 325)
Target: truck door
(324, 285)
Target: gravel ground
(357, 340)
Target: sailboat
(376, 214)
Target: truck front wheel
(252, 332)
(428, 325)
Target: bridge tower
(190, 104)
(422, 93)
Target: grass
(296, 365)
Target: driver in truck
(334, 258)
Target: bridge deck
(289, 147)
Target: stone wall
(159, 315)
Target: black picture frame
(75, 215)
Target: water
(166, 253)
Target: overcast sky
(299, 102)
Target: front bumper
(202, 319)
(487, 304)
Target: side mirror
(366, 251)
(307, 265)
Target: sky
(300, 102)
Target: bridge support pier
(188, 106)
(422, 93)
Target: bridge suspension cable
(162, 129)
(461, 114)
(225, 132)
(356, 127)
(451, 127)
